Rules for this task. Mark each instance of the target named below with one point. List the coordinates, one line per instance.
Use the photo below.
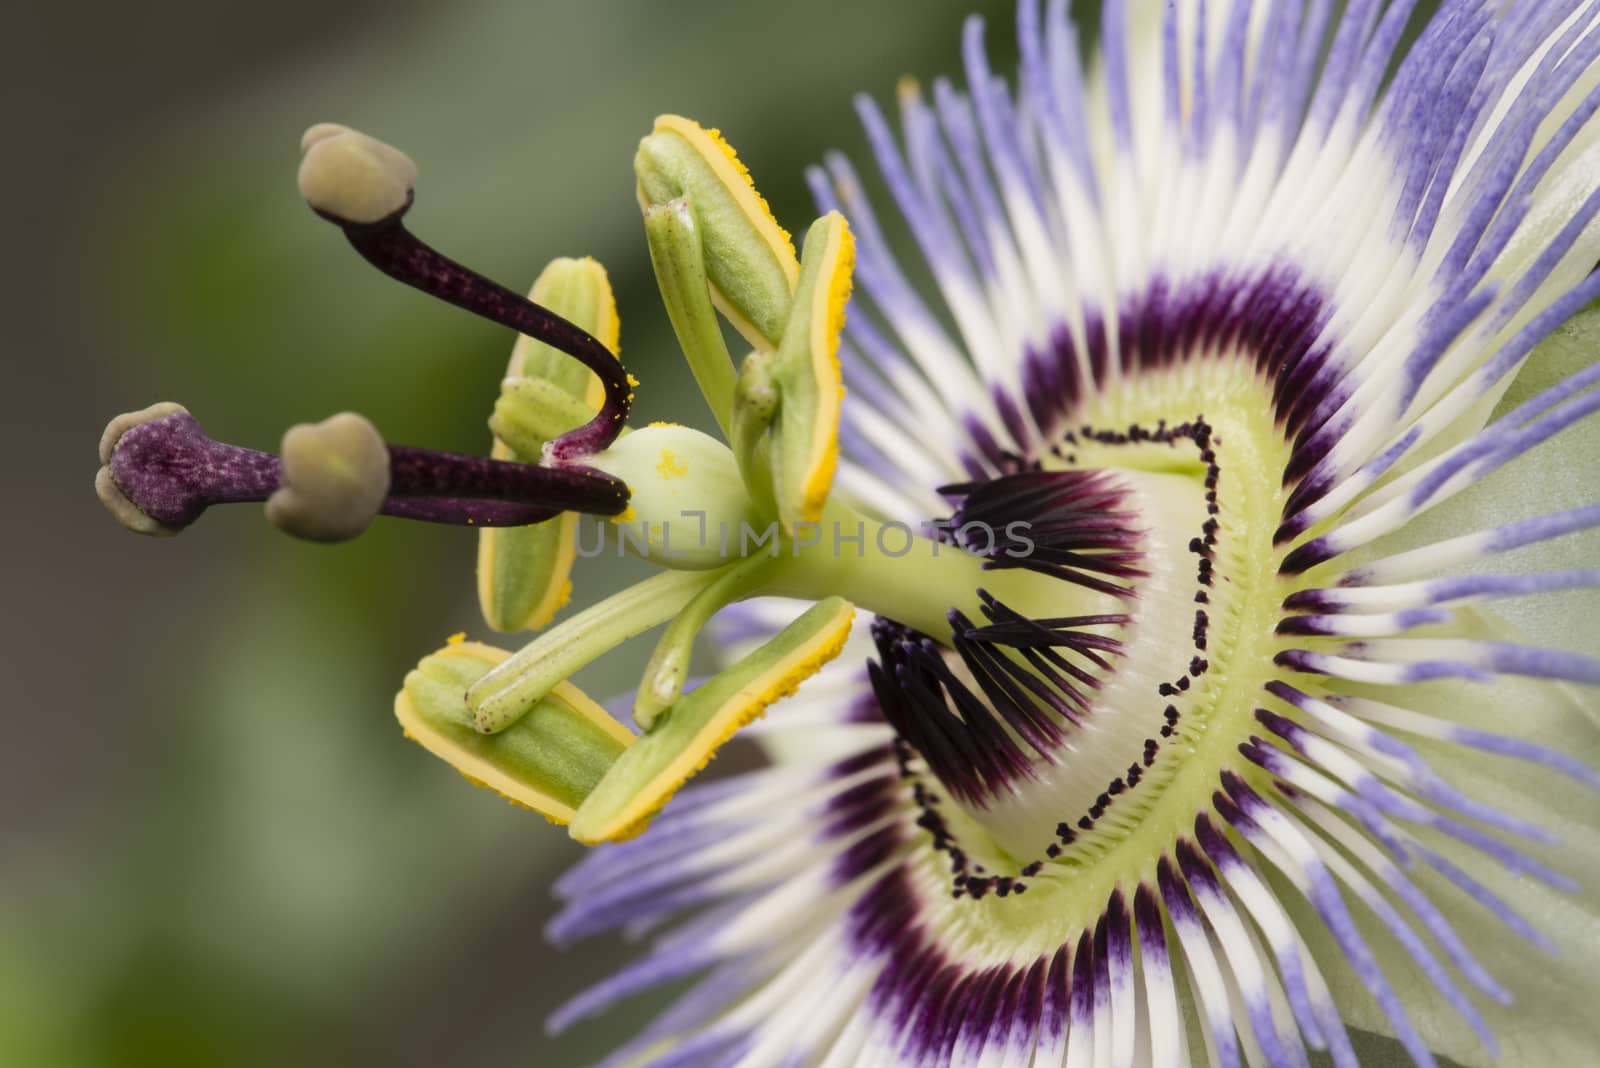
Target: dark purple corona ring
(1233, 701)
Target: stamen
(678, 255)
(658, 764)
(365, 187)
(161, 472)
(506, 693)
(550, 764)
(668, 669)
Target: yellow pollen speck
(457, 638)
(663, 422)
(627, 515)
(632, 381)
(669, 467)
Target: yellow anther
(749, 261)
(808, 376)
(524, 573)
(688, 735)
(548, 761)
(737, 179)
(827, 327)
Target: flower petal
(1551, 1020)
(1557, 476)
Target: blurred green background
(216, 846)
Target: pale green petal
(1561, 474)
(1553, 1019)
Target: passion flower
(1175, 728)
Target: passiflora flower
(1211, 530)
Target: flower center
(1088, 793)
